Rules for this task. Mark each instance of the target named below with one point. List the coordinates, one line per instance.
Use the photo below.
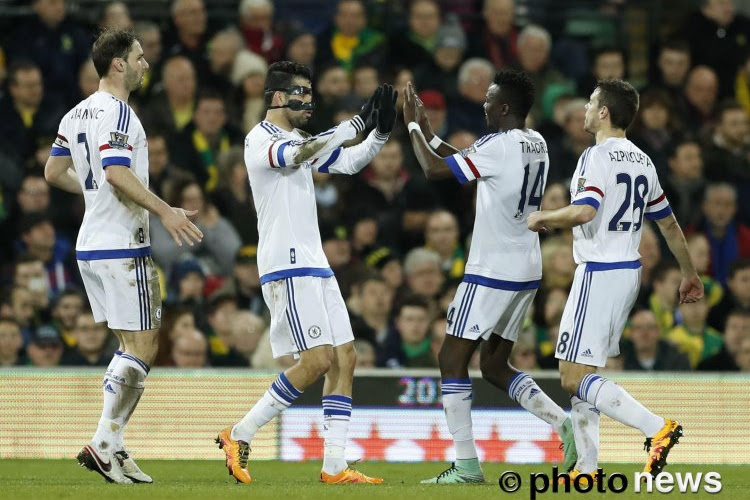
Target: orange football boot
(237, 453)
(573, 474)
(659, 446)
(349, 476)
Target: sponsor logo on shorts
(158, 313)
(314, 332)
(587, 354)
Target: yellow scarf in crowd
(209, 158)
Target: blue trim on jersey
(513, 286)
(124, 253)
(265, 127)
(330, 161)
(317, 272)
(583, 161)
(587, 201)
(116, 160)
(59, 151)
(274, 128)
(119, 117)
(456, 169)
(609, 266)
(664, 212)
(327, 132)
(484, 139)
(280, 154)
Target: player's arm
(174, 219)
(433, 166)
(567, 217)
(442, 148)
(59, 173)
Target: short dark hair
(111, 43)
(518, 87)
(17, 67)
(662, 268)
(728, 105)
(737, 266)
(621, 99)
(412, 301)
(11, 321)
(677, 45)
(26, 258)
(280, 75)
(209, 95)
(680, 140)
(742, 313)
(609, 49)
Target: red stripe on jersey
(473, 168)
(594, 189)
(658, 200)
(270, 156)
(62, 137)
(107, 146)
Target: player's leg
(596, 337)
(337, 391)
(463, 334)
(497, 370)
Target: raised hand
(367, 113)
(386, 109)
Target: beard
(297, 119)
(133, 80)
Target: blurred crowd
(396, 242)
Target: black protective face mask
(294, 104)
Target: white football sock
(337, 411)
(616, 403)
(276, 399)
(585, 419)
(524, 391)
(457, 406)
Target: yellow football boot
(237, 453)
(658, 446)
(349, 476)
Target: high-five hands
(386, 109)
(414, 109)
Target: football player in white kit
(101, 152)
(308, 314)
(613, 188)
(504, 268)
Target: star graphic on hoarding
(374, 446)
(551, 447)
(434, 446)
(495, 447)
(312, 445)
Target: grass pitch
(188, 480)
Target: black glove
(367, 113)
(386, 109)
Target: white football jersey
(101, 131)
(511, 169)
(284, 195)
(619, 181)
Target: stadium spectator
(365, 354)
(38, 237)
(742, 84)
(197, 147)
(11, 343)
(244, 284)
(441, 70)
(160, 167)
(718, 38)
(220, 240)
(17, 303)
(727, 154)
(548, 309)
(56, 44)
(256, 23)
(91, 343)
(557, 261)
(232, 196)
(654, 128)
(736, 330)
(301, 47)
(348, 41)
(115, 15)
(416, 44)
(408, 342)
(223, 49)
(438, 327)
(88, 79)
(176, 321)
(424, 276)
(565, 150)
(29, 273)
(171, 110)
(435, 109)
(742, 359)
(220, 334)
(248, 77)
(497, 38)
(700, 253)
(45, 347)
(645, 350)
(694, 337)
(729, 238)
(190, 350)
(66, 308)
(523, 354)
(736, 294)
(386, 262)
(365, 81)
(331, 87)
(150, 35)
(189, 35)
(187, 284)
(441, 235)
(247, 329)
(534, 44)
(685, 185)
(26, 113)
(607, 62)
(671, 67)
(663, 300)
(698, 100)
(375, 300)
(466, 110)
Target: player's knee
(569, 381)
